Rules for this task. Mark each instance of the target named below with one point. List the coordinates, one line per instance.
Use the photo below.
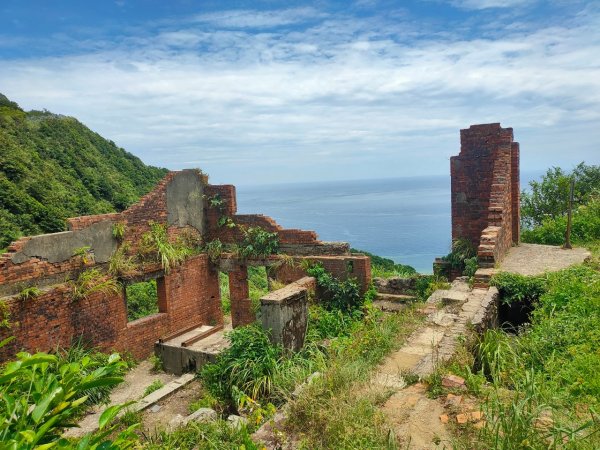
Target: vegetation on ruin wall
(544, 208)
(53, 167)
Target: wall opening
(224, 289)
(142, 299)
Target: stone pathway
(414, 417)
(132, 389)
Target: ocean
(404, 219)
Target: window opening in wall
(141, 299)
(224, 288)
(258, 285)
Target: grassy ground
(540, 388)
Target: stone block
(284, 313)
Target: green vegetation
(544, 210)
(154, 386)
(155, 245)
(91, 281)
(336, 294)
(29, 293)
(42, 393)
(462, 257)
(385, 267)
(53, 167)
(515, 288)
(257, 243)
(142, 299)
(549, 197)
(4, 316)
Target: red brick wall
(188, 295)
(341, 267)
(239, 294)
(485, 190)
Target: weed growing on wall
(90, 282)
(4, 316)
(29, 293)
(156, 242)
(257, 243)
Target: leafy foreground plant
(41, 395)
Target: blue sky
(267, 91)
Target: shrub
(338, 294)
(518, 288)
(156, 243)
(41, 394)
(249, 365)
(257, 242)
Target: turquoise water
(405, 219)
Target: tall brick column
(488, 158)
(241, 307)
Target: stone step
(395, 297)
(390, 306)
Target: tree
(549, 197)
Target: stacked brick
(485, 191)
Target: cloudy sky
(267, 91)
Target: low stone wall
(487, 315)
(284, 313)
(397, 285)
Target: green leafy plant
(118, 231)
(154, 386)
(385, 267)
(214, 250)
(548, 198)
(4, 316)
(338, 294)
(156, 242)
(249, 364)
(123, 265)
(518, 288)
(29, 293)
(85, 253)
(40, 396)
(92, 281)
(257, 243)
(157, 364)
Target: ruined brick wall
(187, 206)
(341, 267)
(189, 294)
(485, 191)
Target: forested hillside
(53, 167)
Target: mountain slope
(53, 167)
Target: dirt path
(136, 382)
(414, 417)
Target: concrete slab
(535, 259)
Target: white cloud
(343, 98)
(486, 4)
